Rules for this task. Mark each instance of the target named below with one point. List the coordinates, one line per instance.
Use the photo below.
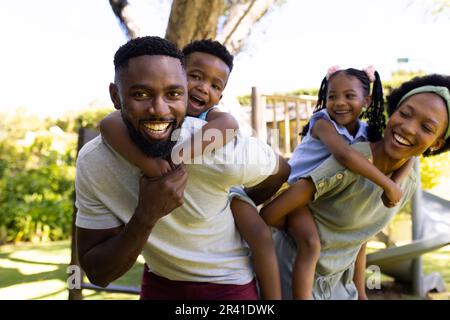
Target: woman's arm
(359, 278)
(221, 128)
(297, 195)
(353, 160)
(115, 132)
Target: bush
(434, 169)
(37, 171)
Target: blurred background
(56, 64)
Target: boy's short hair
(146, 46)
(212, 47)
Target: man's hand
(159, 196)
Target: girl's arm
(359, 277)
(115, 132)
(221, 128)
(297, 195)
(399, 175)
(353, 160)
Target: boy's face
(207, 77)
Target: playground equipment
(431, 231)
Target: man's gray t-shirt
(197, 241)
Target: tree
(228, 21)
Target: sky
(57, 55)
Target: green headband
(441, 91)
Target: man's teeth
(157, 126)
(402, 140)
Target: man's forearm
(110, 259)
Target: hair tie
(370, 72)
(332, 70)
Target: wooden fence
(279, 119)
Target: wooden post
(76, 294)
(287, 129)
(258, 119)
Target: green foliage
(434, 169)
(37, 171)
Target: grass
(39, 272)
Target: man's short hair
(146, 46)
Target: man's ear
(114, 95)
(220, 98)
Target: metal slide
(431, 231)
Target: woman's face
(419, 123)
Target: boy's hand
(156, 167)
(392, 195)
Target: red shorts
(158, 288)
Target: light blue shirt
(204, 114)
(311, 152)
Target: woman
(346, 207)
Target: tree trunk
(124, 13)
(193, 20)
(241, 16)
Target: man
(183, 228)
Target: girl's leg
(302, 227)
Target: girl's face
(419, 123)
(345, 100)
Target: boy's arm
(221, 128)
(115, 132)
(259, 237)
(359, 278)
(267, 188)
(297, 195)
(353, 160)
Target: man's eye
(331, 97)
(140, 94)
(350, 96)
(216, 87)
(174, 94)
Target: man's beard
(157, 149)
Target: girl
(344, 97)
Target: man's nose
(159, 106)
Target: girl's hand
(392, 195)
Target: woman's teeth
(402, 140)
